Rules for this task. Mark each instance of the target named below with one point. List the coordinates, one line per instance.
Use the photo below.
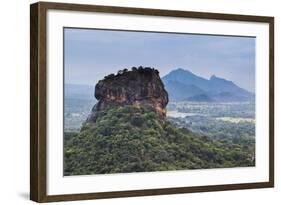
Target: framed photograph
(135, 102)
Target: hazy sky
(91, 54)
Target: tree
(110, 76)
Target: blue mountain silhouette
(184, 85)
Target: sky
(91, 54)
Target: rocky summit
(140, 86)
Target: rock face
(140, 86)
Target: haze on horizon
(90, 54)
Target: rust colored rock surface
(138, 87)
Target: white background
(57, 184)
(14, 108)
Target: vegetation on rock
(127, 130)
(138, 86)
(135, 139)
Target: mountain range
(183, 85)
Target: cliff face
(140, 86)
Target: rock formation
(140, 86)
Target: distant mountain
(79, 91)
(184, 85)
(200, 98)
(177, 90)
(186, 77)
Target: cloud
(90, 54)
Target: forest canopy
(135, 139)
